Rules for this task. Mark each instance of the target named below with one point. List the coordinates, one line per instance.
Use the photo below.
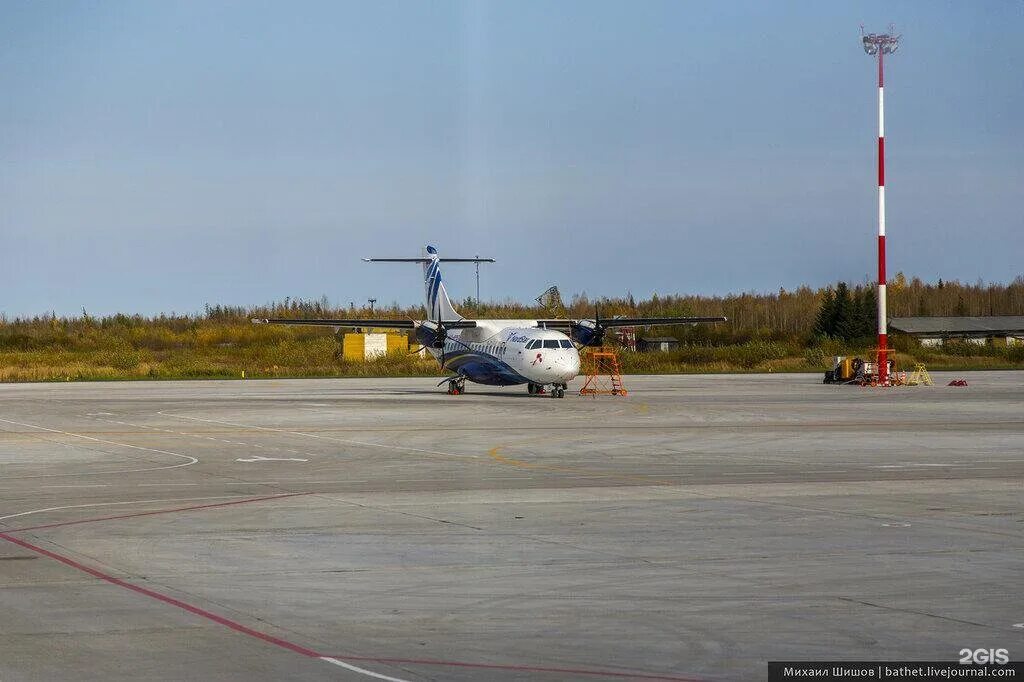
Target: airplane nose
(570, 365)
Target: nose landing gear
(557, 390)
(456, 386)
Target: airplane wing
(351, 323)
(629, 321)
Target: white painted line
(84, 485)
(424, 480)
(115, 504)
(232, 483)
(218, 440)
(192, 460)
(751, 473)
(907, 465)
(826, 471)
(260, 458)
(361, 671)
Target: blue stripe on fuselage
(482, 368)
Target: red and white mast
(881, 45)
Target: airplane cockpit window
(532, 344)
(552, 343)
(566, 343)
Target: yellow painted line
(494, 453)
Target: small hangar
(934, 331)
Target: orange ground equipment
(603, 374)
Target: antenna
(881, 44)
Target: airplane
(538, 353)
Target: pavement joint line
(233, 501)
(388, 446)
(494, 453)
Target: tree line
(800, 316)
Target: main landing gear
(456, 386)
(557, 390)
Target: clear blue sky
(155, 156)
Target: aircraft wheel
(531, 388)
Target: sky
(156, 156)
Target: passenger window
(551, 344)
(566, 343)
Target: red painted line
(203, 613)
(157, 511)
(520, 668)
(277, 641)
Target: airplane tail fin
(439, 306)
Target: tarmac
(361, 529)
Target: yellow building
(365, 346)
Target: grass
(202, 349)
(223, 347)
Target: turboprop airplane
(542, 354)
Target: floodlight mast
(881, 44)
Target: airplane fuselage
(506, 353)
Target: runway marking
(521, 668)
(198, 435)
(424, 480)
(192, 460)
(195, 610)
(260, 458)
(363, 671)
(749, 473)
(82, 485)
(146, 513)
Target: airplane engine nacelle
(587, 333)
(430, 337)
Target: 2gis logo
(984, 656)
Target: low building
(366, 346)
(934, 331)
(657, 343)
